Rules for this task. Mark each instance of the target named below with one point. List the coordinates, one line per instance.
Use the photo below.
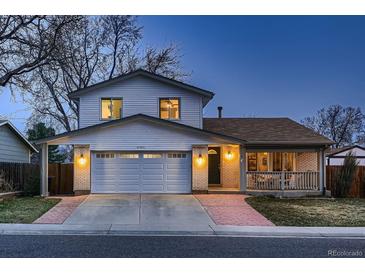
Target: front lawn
(311, 212)
(24, 209)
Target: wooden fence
(60, 178)
(358, 184)
(13, 176)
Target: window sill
(170, 119)
(110, 119)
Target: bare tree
(94, 50)
(120, 35)
(27, 41)
(164, 61)
(340, 124)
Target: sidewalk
(211, 230)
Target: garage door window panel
(176, 155)
(152, 156)
(128, 155)
(105, 155)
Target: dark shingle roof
(266, 131)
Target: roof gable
(207, 95)
(144, 117)
(344, 150)
(18, 134)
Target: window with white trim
(170, 108)
(111, 108)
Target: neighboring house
(336, 156)
(14, 147)
(144, 133)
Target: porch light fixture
(200, 159)
(82, 160)
(229, 155)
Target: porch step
(219, 190)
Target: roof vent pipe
(220, 112)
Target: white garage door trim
(141, 172)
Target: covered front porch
(265, 171)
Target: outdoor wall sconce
(229, 155)
(82, 160)
(200, 159)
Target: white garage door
(141, 172)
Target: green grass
(311, 212)
(24, 209)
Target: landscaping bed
(24, 209)
(311, 212)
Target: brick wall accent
(230, 168)
(307, 161)
(200, 171)
(81, 172)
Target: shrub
(346, 175)
(32, 185)
(5, 186)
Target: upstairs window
(111, 108)
(170, 108)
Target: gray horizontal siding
(139, 135)
(141, 95)
(11, 148)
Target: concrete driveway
(140, 209)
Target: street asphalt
(89, 246)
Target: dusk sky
(260, 66)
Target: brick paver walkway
(231, 209)
(60, 212)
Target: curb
(212, 230)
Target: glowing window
(128, 155)
(111, 108)
(252, 161)
(152, 156)
(170, 108)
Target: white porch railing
(282, 180)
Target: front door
(214, 160)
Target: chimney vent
(220, 112)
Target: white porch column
(322, 170)
(243, 175)
(44, 170)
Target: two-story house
(144, 133)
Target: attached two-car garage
(141, 172)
